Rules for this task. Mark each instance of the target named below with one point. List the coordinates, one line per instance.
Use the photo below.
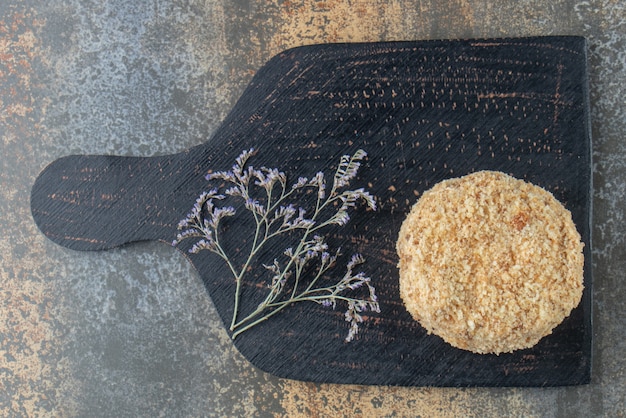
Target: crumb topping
(490, 263)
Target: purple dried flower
(341, 218)
(274, 268)
(285, 212)
(254, 206)
(369, 199)
(221, 175)
(233, 191)
(203, 244)
(203, 223)
(220, 213)
(327, 303)
(241, 161)
(355, 285)
(348, 168)
(355, 260)
(300, 183)
(270, 178)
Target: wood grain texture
(424, 111)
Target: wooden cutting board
(424, 112)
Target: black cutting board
(424, 112)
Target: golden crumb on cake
(490, 263)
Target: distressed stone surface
(131, 332)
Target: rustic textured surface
(130, 332)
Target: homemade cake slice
(489, 263)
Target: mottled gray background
(131, 332)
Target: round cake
(490, 263)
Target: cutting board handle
(96, 202)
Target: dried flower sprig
(275, 214)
